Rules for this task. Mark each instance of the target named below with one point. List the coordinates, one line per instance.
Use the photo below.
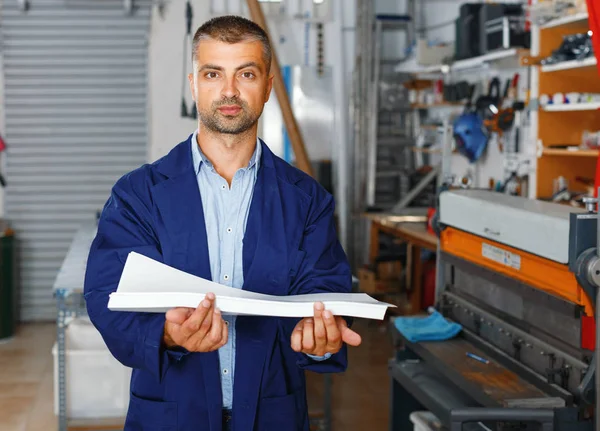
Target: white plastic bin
(97, 384)
(425, 421)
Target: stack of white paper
(150, 286)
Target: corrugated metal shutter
(75, 121)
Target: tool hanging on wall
(469, 132)
(502, 114)
(192, 112)
(320, 48)
(2, 148)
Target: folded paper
(147, 285)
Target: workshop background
(428, 120)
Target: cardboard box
(391, 270)
(370, 283)
(433, 55)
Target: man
(221, 206)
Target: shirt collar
(198, 156)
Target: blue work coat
(290, 248)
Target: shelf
(436, 105)
(577, 18)
(573, 64)
(572, 107)
(575, 152)
(468, 63)
(478, 61)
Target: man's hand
(199, 330)
(322, 334)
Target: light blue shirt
(226, 213)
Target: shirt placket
(231, 196)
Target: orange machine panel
(536, 271)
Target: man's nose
(230, 88)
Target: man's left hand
(323, 333)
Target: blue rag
(431, 328)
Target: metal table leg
(61, 355)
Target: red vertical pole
(594, 23)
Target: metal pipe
(373, 118)
(342, 160)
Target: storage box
(389, 270)
(425, 421)
(97, 385)
(370, 283)
(435, 54)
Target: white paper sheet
(150, 286)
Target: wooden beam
(302, 161)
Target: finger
(296, 340)
(308, 336)
(320, 332)
(178, 315)
(199, 318)
(215, 335)
(334, 338)
(350, 337)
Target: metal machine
(521, 278)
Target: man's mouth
(230, 109)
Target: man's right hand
(199, 330)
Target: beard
(237, 124)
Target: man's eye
(248, 75)
(211, 75)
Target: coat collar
(180, 160)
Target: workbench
(413, 231)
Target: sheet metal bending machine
(521, 278)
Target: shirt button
(226, 277)
(223, 187)
(229, 230)
(225, 371)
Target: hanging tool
(2, 149)
(469, 131)
(189, 14)
(504, 118)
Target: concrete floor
(360, 396)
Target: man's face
(230, 85)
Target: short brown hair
(233, 29)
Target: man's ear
(269, 87)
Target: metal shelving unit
(68, 291)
